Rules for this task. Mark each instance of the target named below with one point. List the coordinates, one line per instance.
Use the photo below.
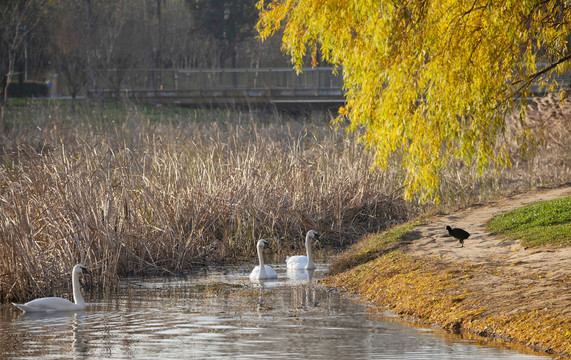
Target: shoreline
(490, 287)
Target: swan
(49, 304)
(301, 261)
(262, 272)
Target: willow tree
(430, 80)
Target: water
(221, 314)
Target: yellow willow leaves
(430, 80)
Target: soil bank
(490, 287)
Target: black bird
(459, 234)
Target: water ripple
(223, 315)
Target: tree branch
(538, 74)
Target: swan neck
(308, 248)
(262, 265)
(77, 297)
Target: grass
(543, 223)
(483, 299)
(540, 224)
(457, 297)
(373, 246)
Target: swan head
(80, 269)
(263, 244)
(313, 234)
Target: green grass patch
(373, 246)
(31, 112)
(393, 235)
(543, 223)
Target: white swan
(49, 304)
(262, 272)
(302, 261)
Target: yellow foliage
(430, 80)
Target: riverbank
(490, 287)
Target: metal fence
(323, 84)
(220, 79)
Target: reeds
(135, 194)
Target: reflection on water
(223, 315)
(299, 276)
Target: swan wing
(254, 275)
(270, 273)
(296, 262)
(50, 304)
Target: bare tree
(117, 41)
(229, 23)
(69, 29)
(100, 42)
(17, 19)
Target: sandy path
(482, 247)
(522, 279)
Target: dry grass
(453, 296)
(134, 194)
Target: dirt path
(490, 287)
(512, 277)
(482, 247)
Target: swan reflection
(63, 318)
(300, 275)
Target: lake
(218, 313)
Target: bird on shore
(50, 304)
(459, 234)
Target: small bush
(29, 89)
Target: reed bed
(132, 193)
(133, 190)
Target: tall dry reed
(133, 193)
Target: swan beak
(265, 244)
(85, 271)
(316, 237)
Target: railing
(268, 85)
(247, 85)
(171, 79)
